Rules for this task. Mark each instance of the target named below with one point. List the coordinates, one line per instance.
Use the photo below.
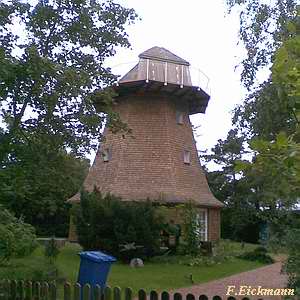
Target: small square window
(106, 154)
(179, 117)
(187, 157)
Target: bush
(292, 265)
(16, 237)
(258, 254)
(109, 224)
(191, 238)
(51, 250)
(37, 272)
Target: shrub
(16, 237)
(292, 265)
(191, 237)
(107, 223)
(51, 250)
(258, 254)
(41, 271)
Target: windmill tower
(160, 161)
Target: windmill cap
(162, 54)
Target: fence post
(177, 296)
(45, 291)
(7, 289)
(52, 291)
(107, 293)
(21, 287)
(77, 291)
(86, 292)
(153, 295)
(165, 295)
(37, 291)
(13, 289)
(116, 293)
(97, 292)
(67, 291)
(142, 295)
(128, 294)
(28, 293)
(190, 297)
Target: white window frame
(106, 154)
(205, 222)
(187, 157)
(179, 117)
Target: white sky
(202, 33)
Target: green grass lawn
(154, 275)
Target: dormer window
(106, 154)
(187, 157)
(179, 117)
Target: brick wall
(214, 224)
(149, 164)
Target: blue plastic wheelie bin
(94, 268)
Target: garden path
(266, 277)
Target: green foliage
(277, 161)
(16, 237)
(277, 168)
(292, 265)
(51, 70)
(286, 67)
(270, 116)
(106, 223)
(258, 254)
(36, 183)
(264, 114)
(239, 220)
(191, 237)
(263, 27)
(7, 245)
(51, 250)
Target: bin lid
(97, 256)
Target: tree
(107, 223)
(36, 183)
(263, 28)
(276, 160)
(52, 61)
(52, 71)
(264, 114)
(16, 237)
(268, 118)
(239, 217)
(277, 156)
(267, 114)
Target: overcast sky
(202, 33)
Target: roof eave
(195, 96)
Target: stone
(136, 263)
